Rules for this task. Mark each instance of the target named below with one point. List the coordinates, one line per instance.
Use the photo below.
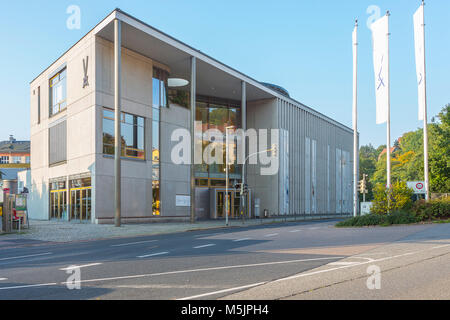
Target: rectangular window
(160, 92)
(58, 92)
(16, 159)
(4, 159)
(132, 131)
(39, 105)
(58, 143)
(27, 159)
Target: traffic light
(274, 151)
(362, 185)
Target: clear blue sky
(304, 46)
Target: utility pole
(355, 119)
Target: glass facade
(80, 199)
(58, 200)
(132, 130)
(217, 114)
(58, 92)
(160, 100)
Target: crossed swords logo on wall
(85, 68)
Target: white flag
(355, 65)
(420, 58)
(380, 31)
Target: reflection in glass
(132, 130)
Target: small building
(14, 157)
(72, 134)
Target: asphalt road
(238, 263)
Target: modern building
(14, 157)
(72, 134)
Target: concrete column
(193, 105)
(117, 133)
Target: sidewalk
(54, 231)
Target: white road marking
(223, 291)
(29, 286)
(28, 256)
(132, 243)
(83, 266)
(205, 246)
(443, 246)
(295, 231)
(306, 274)
(313, 228)
(201, 270)
(243, 239)
(343, 263)
(344, 267)
(3, 279)
(154, 254)
(207, 235)
(271, 235)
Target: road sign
(417, 186)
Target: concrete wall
(80, 116)
(175, 179)
(263, 115)
(137, 73)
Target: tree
(440, 153)
(397, 198)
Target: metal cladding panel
(58, 143)
(319, 162)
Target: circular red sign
(419, 186)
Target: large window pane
(132, 132)
(58, 92)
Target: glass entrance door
(233, 204)
(80, 204)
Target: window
(27, 159)
(160, 92)
(16, 159)
(4, 159)
(160, 99)
(39, 105)
(132, 131)
(58, 92)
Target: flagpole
(388, 146)
(425, 118)
(355, 122)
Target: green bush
(434, 209)
(379, 220)
(397, 198)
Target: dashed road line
(79, 267)
(29, 286)
(154, 254)
(223, 291)
(205, 246)
(132, 243)
(243, 239)
(271, 235)
(27, 256)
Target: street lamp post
(273, 149)
(226, 174)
